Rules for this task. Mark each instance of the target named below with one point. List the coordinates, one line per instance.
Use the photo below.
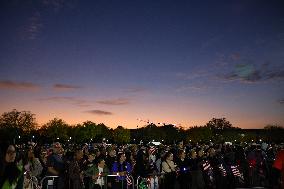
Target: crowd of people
(179, 166)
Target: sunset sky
(124, 62)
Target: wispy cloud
(193, 75)
(34, 24)
(57, 5)
(195, 80)
(33, 27)
(224, 60)
(249, 73)
(65, 87)
(18, 85)
(69, 100)
(115, 102)
(281, 101)
(191, 88)
(99, 112)
(136, 90)
(275, 74)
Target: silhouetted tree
(121, 135)
(274, 133)
(219, 124)
(15, 123)
(199, 134)
(54, 129)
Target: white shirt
(100, 180)
(168, 166)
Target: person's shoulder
(115, 164)
(106, 169)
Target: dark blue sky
(117, 62)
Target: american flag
(152, 149)
(128, 179)
(206, 165)
(148, 182)
(223, 170)
(236, 172)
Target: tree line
(21, 126)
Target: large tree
(171, 133)
(56, 128)
(17, 123)
(151, 132)
(200, 134)
(221, 129)
(121, 135)
(219, 124)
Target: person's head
(129, 156)
(10, 154)
(211, 152)
(43, 155)
(101, 163)
(169, 156)
(121, 157)
(102, 150)
(181, 154)
(78, 154)
(180, 144)
(97, 152)
(57, 148)
(8, 166)
(200, 152)
(112, 152)
(31, 154)
(193, 154)
(91, 157)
